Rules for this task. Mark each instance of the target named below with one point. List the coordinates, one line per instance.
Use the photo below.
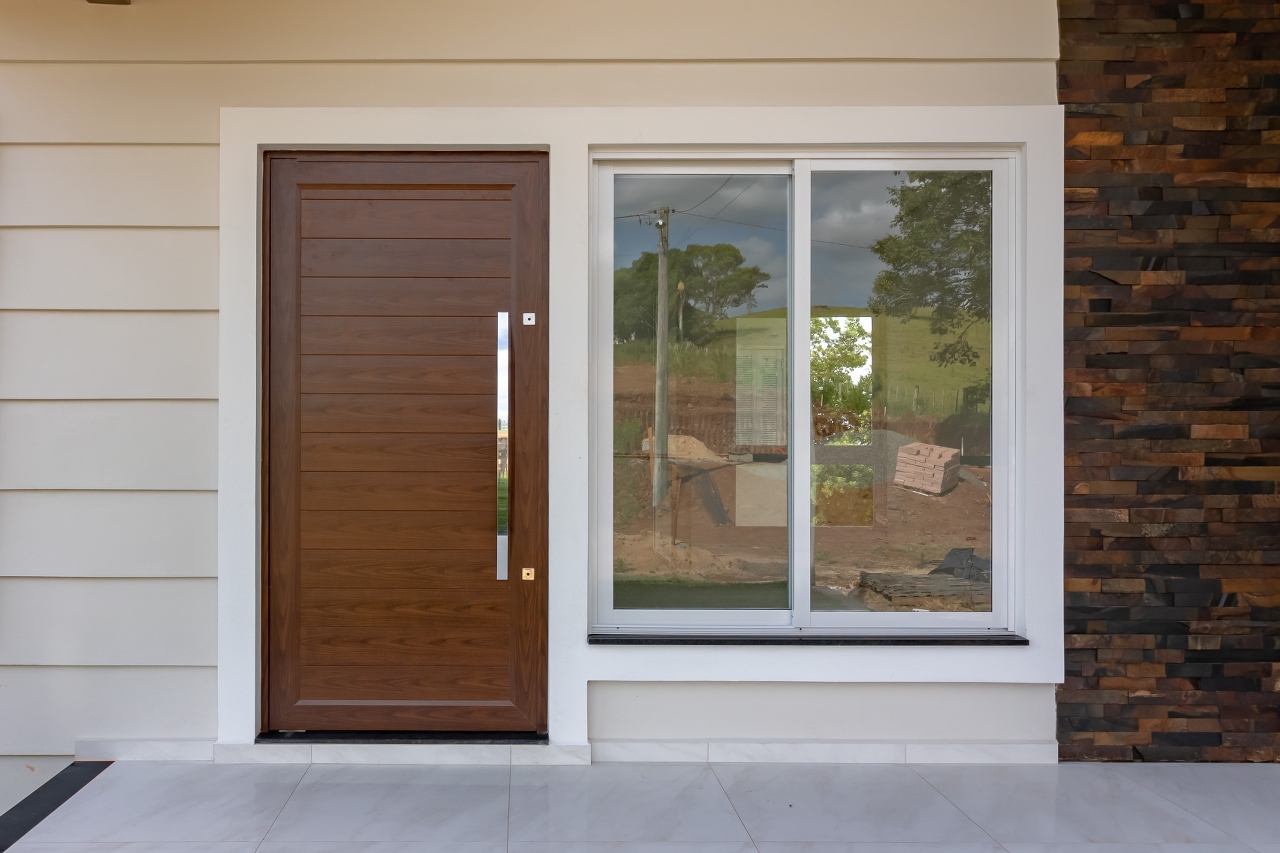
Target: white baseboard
(823, 752)
(144, 750)
(599, 751)
(401, 753)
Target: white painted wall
(824, 711)
(569, 134)
(109, 188)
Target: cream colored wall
(311, 30)
(953, 713)
(108, 258)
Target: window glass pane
(900, 359)
(700, 391)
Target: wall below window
(666, 711)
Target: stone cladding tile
(1172, 386)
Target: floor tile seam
(283, 806)
(956, 806)
(511, 780)
(733, 806)
(1118, 772)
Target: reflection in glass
(504, 408)
(700, 392)
(900, 362)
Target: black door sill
(400, 737)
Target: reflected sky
(851, 210)
(504, 366)
(747, 211)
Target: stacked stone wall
(1172, 381)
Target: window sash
(1006, 418)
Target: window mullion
(800, 441)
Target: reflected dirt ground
(719, 539)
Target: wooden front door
(385, 274)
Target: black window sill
(621, 639)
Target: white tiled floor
(136, 807)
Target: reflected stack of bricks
(1172, 381)
(927, 468)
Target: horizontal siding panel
(179, 103)
(108, 622)
(314, 30)
(116, 444)
(86, 355)
(109, 534)
(144, 269)
(96, 185)
(46, 708)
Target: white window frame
(1007, 343)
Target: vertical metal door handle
(504, 422)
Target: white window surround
(574, 136)
(1004, 164)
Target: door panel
(401, 297)
(460, 258)
(396, 413)
(384, 276)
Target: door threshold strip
(377, 737)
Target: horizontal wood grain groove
(404, 682)
(399, 413)
(338, 335)
(399, 374)
(339, 451)
(374, 218)
(399, 490)
(412, 717)
(408, 609)
(424, 646)
(405, 297)
(481, 258)
(400, 530)
(371, 569)
(445, 193)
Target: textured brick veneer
(1172, 381)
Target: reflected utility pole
(660, 416)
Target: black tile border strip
(381, 737)
(621, 639)
(42, 802)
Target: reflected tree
(939, 259)
(838, 348)
(716, 281)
